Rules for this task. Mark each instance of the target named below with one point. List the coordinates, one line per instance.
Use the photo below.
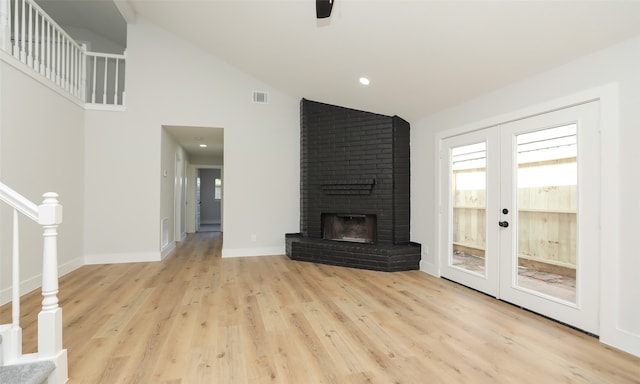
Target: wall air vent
(260, 97)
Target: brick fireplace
(354, 190)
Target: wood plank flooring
(198, 318)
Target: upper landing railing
(32, 37)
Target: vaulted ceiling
(421, 56)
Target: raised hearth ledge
(377, 257)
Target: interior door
(519, 213)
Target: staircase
(31, 373)
(49, 363)
(32, 42)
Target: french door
(519, 213)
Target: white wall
(611, 74)
(170, 82)
(41, 150)
(168, 172)
(96, 42)
(207, 160)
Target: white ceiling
(421, 56)
(190, 139)
(99, 16)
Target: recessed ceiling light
(203, 145)
(364, 81)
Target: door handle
(503, 224)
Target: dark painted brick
(338, 147)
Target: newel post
(5, 26)
(50, 317)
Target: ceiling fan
(323, 8)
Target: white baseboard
(119, 258)
(247, 252)
(70, 266)
(167, 250)
(623, 340)
(429, 268)
(35, 282)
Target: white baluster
(58, 50)
(106, 68)
(93, 85)
(16, 35)
(68, 67)
(14, 336)
(63, 68)
(83, 73)
(49, 42)
(124, 93)
(43, 41)
(78, 66)
(23, 42)
(30, 37)
(5, 25)
(36, 51)
(74, 71)
(15, 306)
(61, 59)
(115, 92)
(66, 63)
(50, 317)
(73, 89)
(79, 92)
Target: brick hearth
(354, 163)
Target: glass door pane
(468, 201)
(547, 186)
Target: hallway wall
(171, 82)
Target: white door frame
(179, 197)
(487, 282)
(610, 179)
(191, 213)
(584, 312)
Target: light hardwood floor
(198, 318)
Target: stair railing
(49, 216)
(32, 37)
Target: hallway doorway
(209, 200)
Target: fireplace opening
(355, 228)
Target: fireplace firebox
(354, 190)
(355, 228)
